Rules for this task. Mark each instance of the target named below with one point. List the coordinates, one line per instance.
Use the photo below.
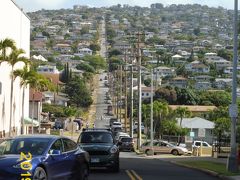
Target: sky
(34, 5)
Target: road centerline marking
(136, 175)
(130, 175)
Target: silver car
(163, 147)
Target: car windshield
(96, 137)
(35, 146)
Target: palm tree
(4, 46)
(182, 112)
(27, 77)
(160, 110)
(14, 58)
(39, 83)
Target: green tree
(4, 46)
(86, 67)
(225, 54)
(27, 77)
(196, 31)
(221, 98)
(186, 96)
(95, 47)
(114, 62)
(12, 59)
(167, 94)
(97, 62)
(114, 52)
(147, 82)
(160, 110)
(146, 110)
(78, 93)
(222, 126)
(182, 112)
(169, 127)
(38, 83)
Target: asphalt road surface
(102, 119)
(135, 167)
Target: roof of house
(196, 123)
(54, 78)
(193, 108)
(35, 96)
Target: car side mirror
(55, 152)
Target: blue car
(42, 157)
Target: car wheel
(175, 152)
(149, 152)
(84, 172)
(115, 168)
(39, 174)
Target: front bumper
(104, 160)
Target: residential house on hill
(223, 83)
(179, 82)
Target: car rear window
(126, 139)
(96, 137)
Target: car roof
(96, 130)
(44, 136)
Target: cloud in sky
(33, 5)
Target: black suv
(100, 145)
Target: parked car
(126, 143)
(100, 145)
(116, 124)
(120, 135)
(44, 157)
(160, 146)
(198, 144)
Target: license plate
(95, 160)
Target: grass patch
(212, 166)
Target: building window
(142, 94)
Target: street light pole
(232, 163)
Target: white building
(162, 71)
(47, 69)
(85, 51)
(15, 24)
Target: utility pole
(126, 99)
(151, 117)
(131, 95)
(117, 91)
(139, 93)
(120, 105)
(232, 163)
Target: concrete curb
(212, 173)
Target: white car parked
(198, 144)
(116, 125)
